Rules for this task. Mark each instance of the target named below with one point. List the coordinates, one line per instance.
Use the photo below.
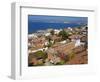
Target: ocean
(35, 26)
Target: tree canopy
(64, 34)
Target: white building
(32, 36)
(69, 28)
(63, 42)
(46, 43)
(47, 34)
(77, 42)
(56, 31)
(76, 39)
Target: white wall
(5, 36)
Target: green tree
(71, 55)
(52, 32)
(64, 34)
(50, 44)
(62, 62)
(40, 54)
(48, 38)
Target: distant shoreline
(43, 29)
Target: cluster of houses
(58, 50)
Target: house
(63, 42)
(77, 42)
(55, 60)
(55, 38)
(70, 29)
(32, 36)
(52, 57)
(49, 30)
(56, 31)
(76, 38)
(51, 53)
(37, 43)
(41, 32)
(47, 34)
(84, 32)
(84, 39)
(47, 42)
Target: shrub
(62, 62)
(64, 34)
(41, 54)
(49, 45)
(71, 55)
(40, 63)
(52, 32)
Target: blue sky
(56, 19)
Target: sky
(56, 19)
